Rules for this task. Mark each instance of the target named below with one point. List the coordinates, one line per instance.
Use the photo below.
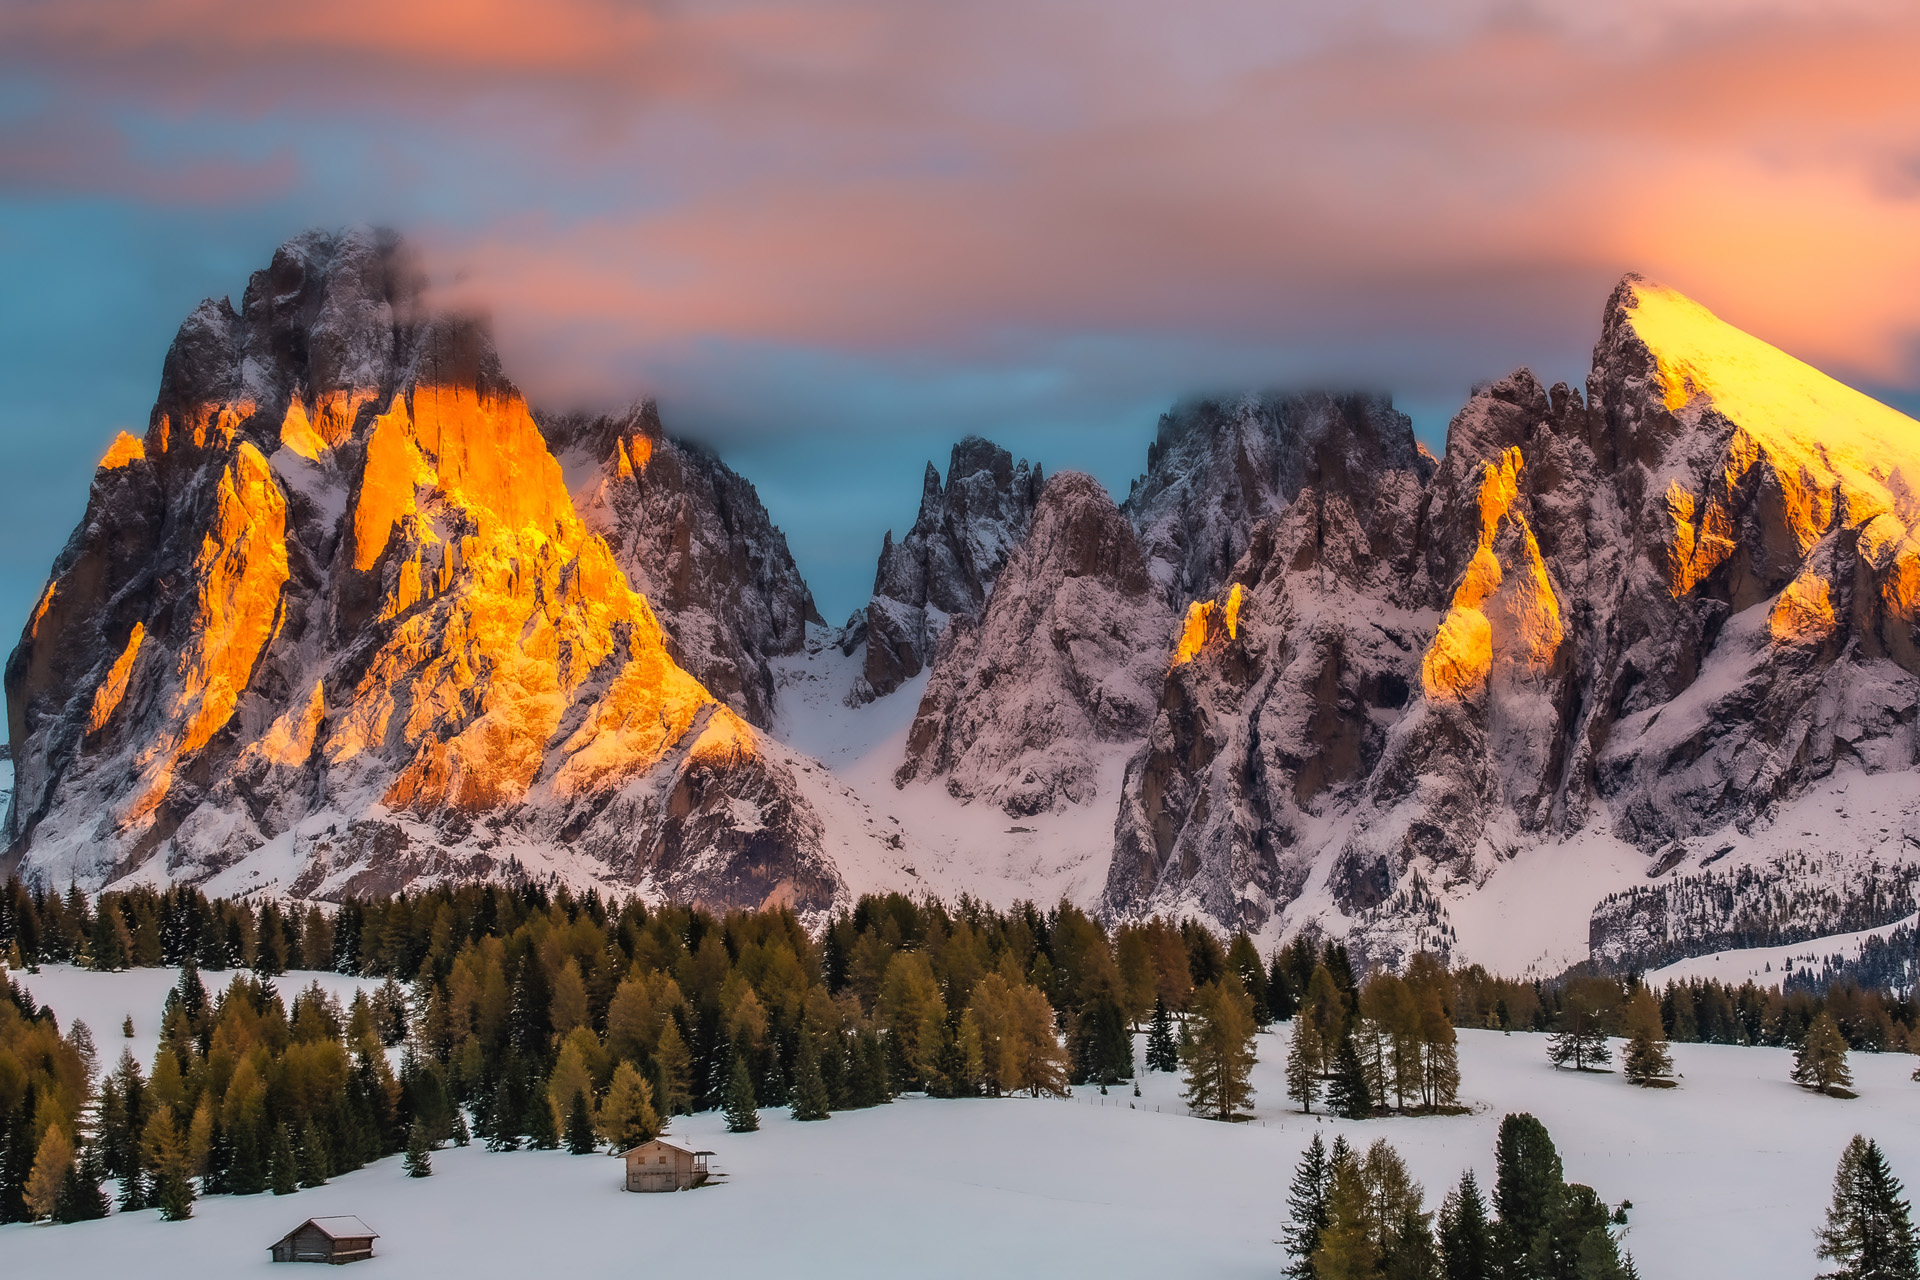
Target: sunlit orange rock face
(345, 603)
(1504, 609)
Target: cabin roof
(340, 1227)
(670, 1143)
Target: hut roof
(340, 1227)
(669, 1142)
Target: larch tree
(51, 1161)
(1303, 1064)
(673, 1064)
(1821, 1061)
(627, 1114)
(1219, 1053)
(1346, 1250)
(1647, 1062)
(1869, 1229)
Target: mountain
(335, 625)
(1652, 620)
(946, 564)
(1630, 673)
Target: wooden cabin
(665, 1165)
(336, 1240)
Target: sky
(833, 236)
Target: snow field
(1728, 1175)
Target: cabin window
(661, 1160)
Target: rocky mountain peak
(1065, 657)
(339, 602)
(948, 561)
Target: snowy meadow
(1727, 1174)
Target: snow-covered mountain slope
(334, 625)
(946, 564)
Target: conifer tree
(166, 1155)
(1528, 1189)
(1821, 1061)
(1306, 1210)
(418, 1162)
(580, 1138)
(81, 1199)
(1349, 1095)
(1579, 1038)
(283, 1171)
(1347, 1250)
(51, 1161)
(674, 1071)
(809, 1090)
(1162, 1053)
(627, 1115)
(1647, 1063)
(312, 1159)
(743, 1116)
(1466, 1239)
(1219, 1053)
(543, 1134)
(1303, 1064)
(1869, 1231)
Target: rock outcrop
(1279, 697)
(693, 537)
(337, 604)
(1066, 656)
(947, 563)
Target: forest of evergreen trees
(553, 1019)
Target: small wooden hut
(338, 1239)
(665, 1165)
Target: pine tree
(1580, 1038)
(1162, 1053)
(1466, 1240)
(1303, 1064)
(1349, 1095)
(283, 1171)
(315, 1164)
(743, 1115)
(81, 1199)
(1306, 1210)
(809, 1090)
(1821, 1061)
(1648, 1063)
(1869, 1229)
(1528, 1189)
(580, 1138)
(418, 1162)
(543, 1133)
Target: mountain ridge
(375, 622)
